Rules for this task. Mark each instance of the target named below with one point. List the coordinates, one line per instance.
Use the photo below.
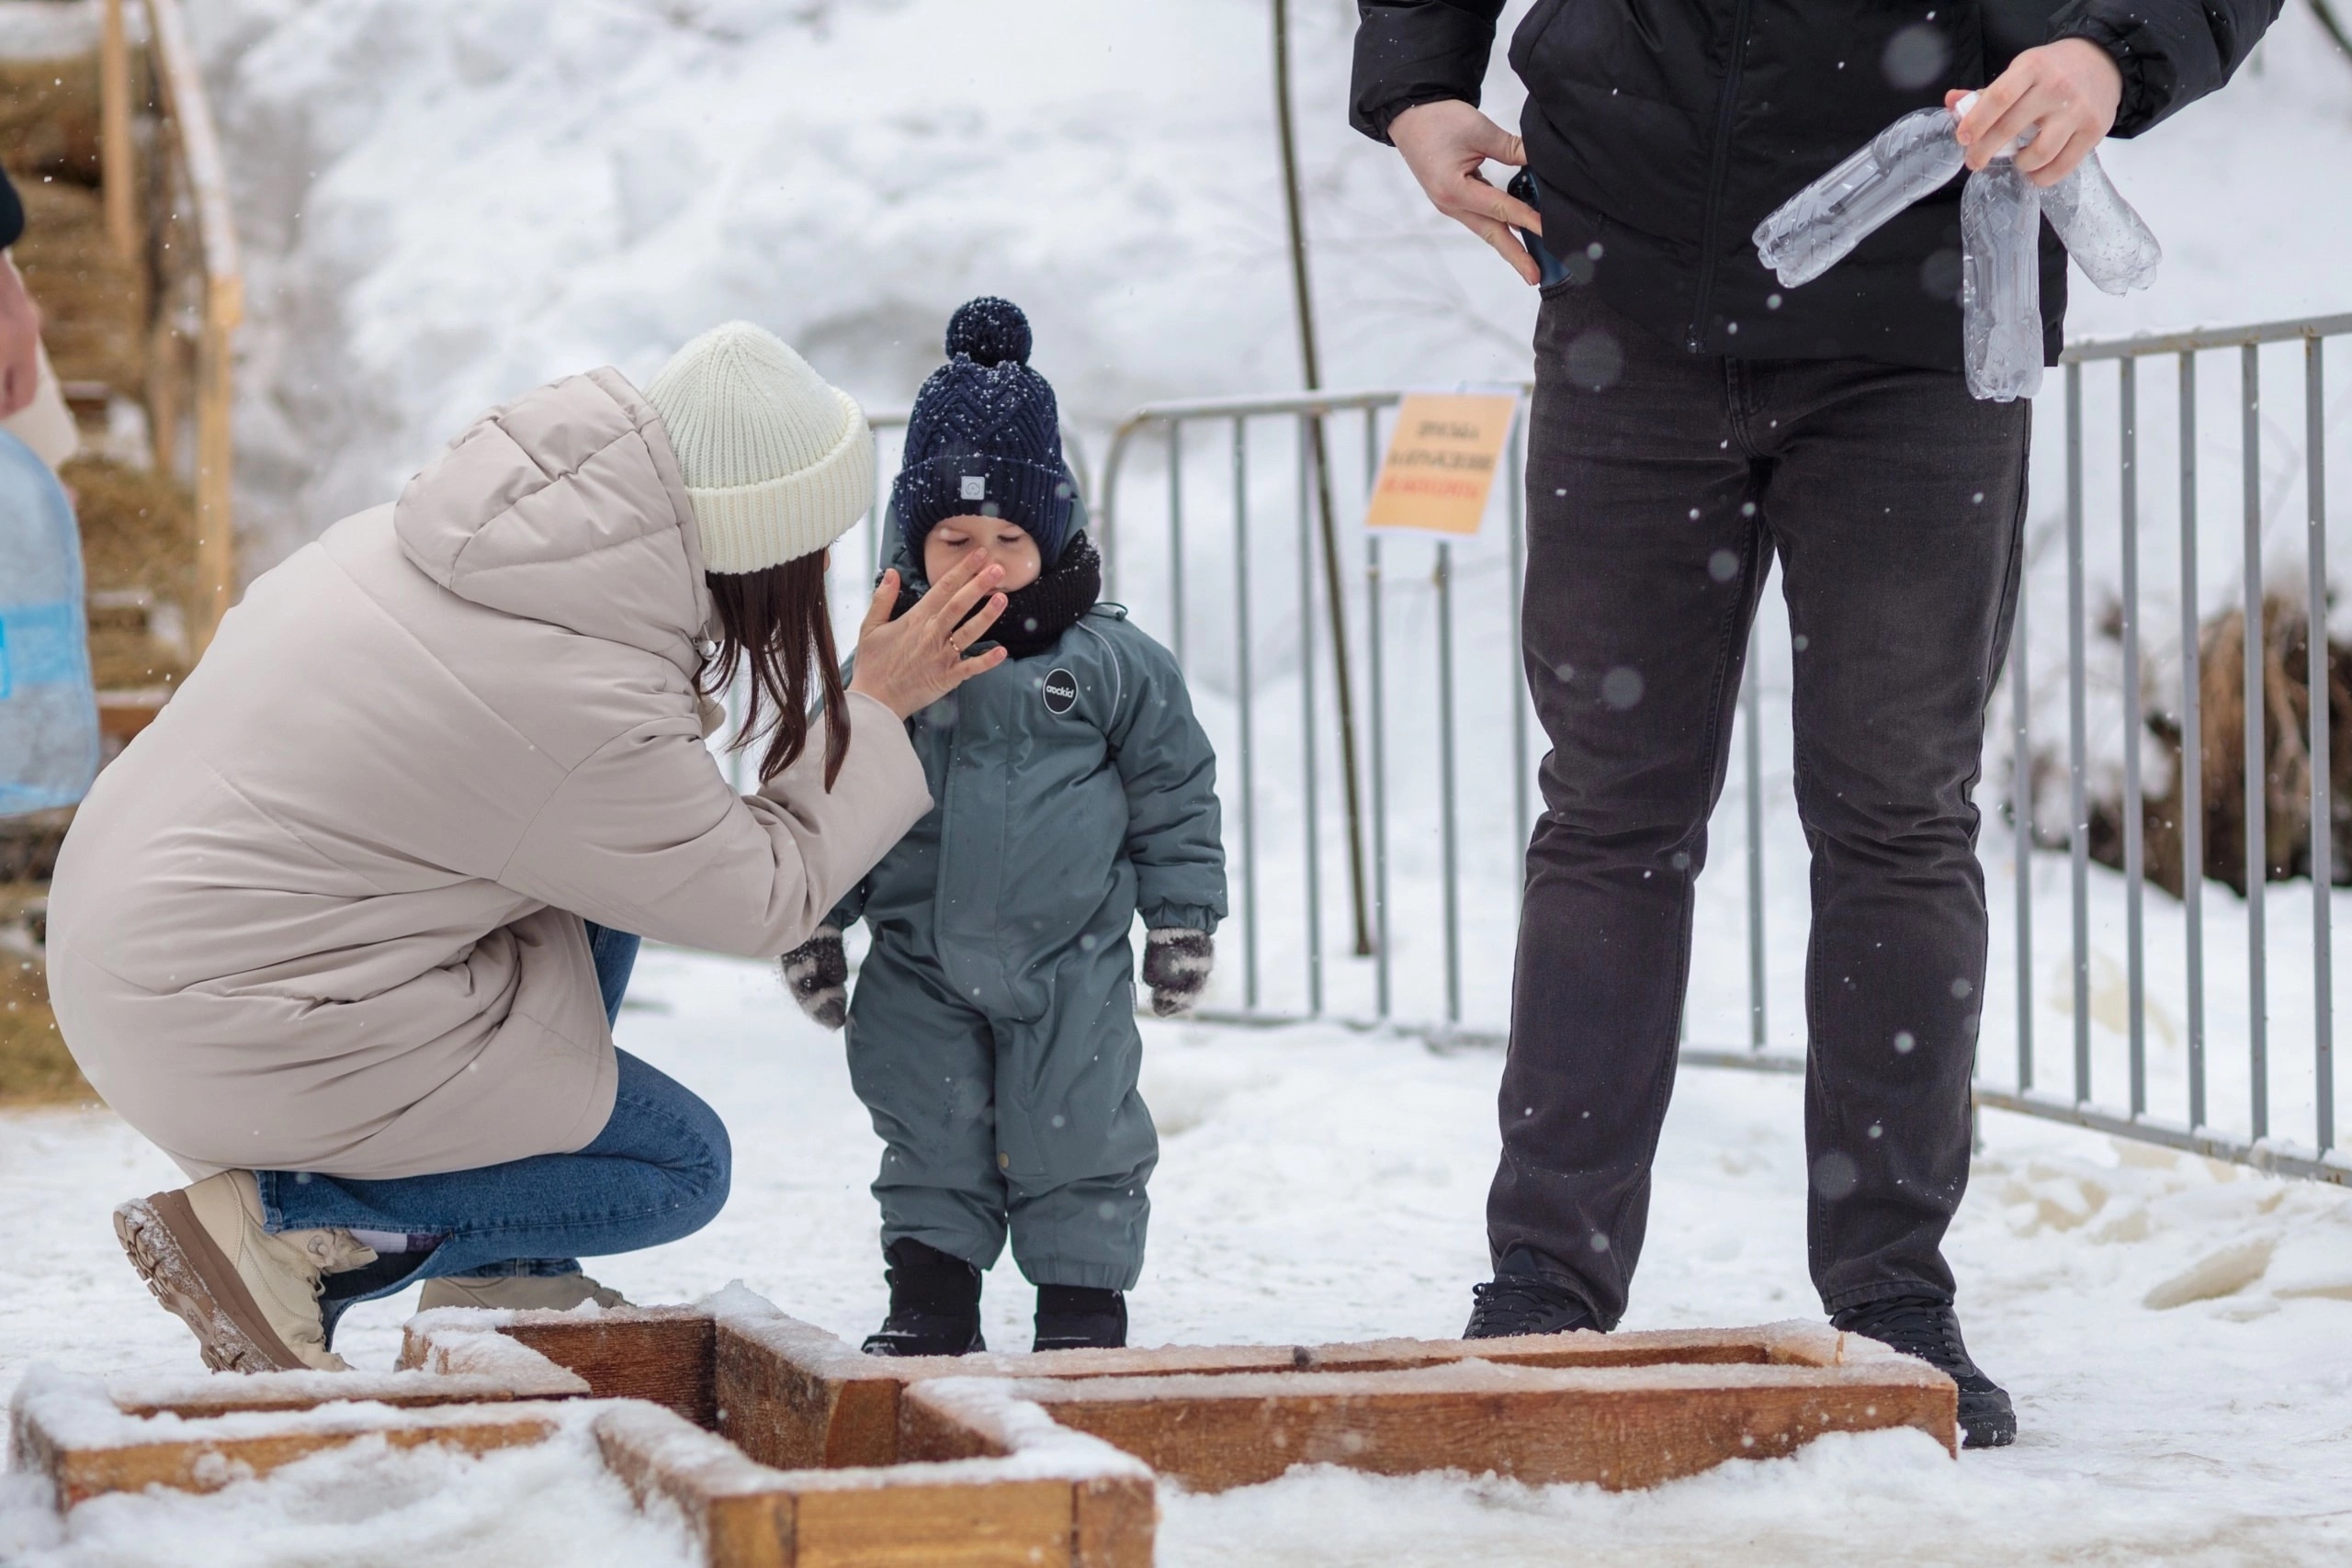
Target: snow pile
(447, 201)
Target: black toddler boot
(1080, 1317)
(934, 1304)
(1930, 1329)
(1521, 1300)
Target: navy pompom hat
(985, 438)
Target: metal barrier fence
(2254, 1141)
(1236, 590)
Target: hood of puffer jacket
(567, 506)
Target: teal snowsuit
(992, 1034)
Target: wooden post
(221, 309)
(118, 176)
(216, 532)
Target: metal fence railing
(2268, 454)
(1206, 514)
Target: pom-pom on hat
(777, 463)
(985, 438)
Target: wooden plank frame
(782, 1447)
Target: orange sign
(1441, 460)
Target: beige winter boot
(251, 1298)
(517, 1293)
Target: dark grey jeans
(1660, 486)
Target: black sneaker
(1516, 1304)
(1080, 1317)
(1930, 1329)
(934, 1304)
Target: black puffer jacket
(11, 213)
(1662, 131)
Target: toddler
(993, 1035)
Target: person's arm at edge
(2171, 53)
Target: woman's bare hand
(910, 663)
(2064, 94)
(1447, 144)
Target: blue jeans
(657, 1172)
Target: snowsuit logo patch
(1061, 692)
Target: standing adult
(343, 931)
(1691, 422)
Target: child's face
(1008, 544)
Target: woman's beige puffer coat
(326, 913)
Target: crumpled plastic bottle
(49, 714)
(2000, 282)
(2109, 241)
(1816, 228)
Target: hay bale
(50, 117)
(35, 1067)
(138, 535)
(94, 304)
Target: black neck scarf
(1035, 617)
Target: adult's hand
(19, 340)
(910, 663)
(2064, 94)
(1447, 144)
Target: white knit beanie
(777, 463)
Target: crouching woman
(345, 931)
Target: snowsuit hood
(326, 913)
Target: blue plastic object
(48, 710)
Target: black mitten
(818, 973)
(1176, 964)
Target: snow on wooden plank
(491, 1369)
(660, 1354)
(977, 1512)
(792, 1395)
(454, 1354)
(1115, 1497)
(70, 1431)
(733, 1507)
(1616, 1427)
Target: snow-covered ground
(1318, 1185)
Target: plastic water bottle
(48, 713)
(1815, 230)
(2000, 282)
(2109, 241)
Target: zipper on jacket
(1718, 170)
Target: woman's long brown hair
(777, 621)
